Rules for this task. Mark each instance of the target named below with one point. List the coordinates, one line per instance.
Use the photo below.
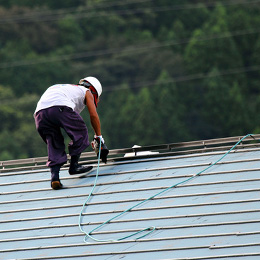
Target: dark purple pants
(49, 122)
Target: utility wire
(129, 50)
(199, 76)
(185, 78)
(38, 15)
(86, 13)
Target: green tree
(171, 109)
(145, 61)
(69, 31)
(117, 117)
(58, 4)
(18, 136)
(224, 111)
(7, 109)
(209, 48)
(146, 124)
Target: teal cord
(150, 229)
(89, 196)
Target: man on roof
(60, 107)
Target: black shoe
(75, 168)
(56, 185)
(79, 169)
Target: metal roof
(213, 216)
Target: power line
(82, 12)
(128, 50)
(59, 13)
(186, 78)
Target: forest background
(171, 71)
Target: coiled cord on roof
(149, 229)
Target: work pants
(49, 122)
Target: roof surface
(216, 215)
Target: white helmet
(94, 82)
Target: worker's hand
(96, 147)
(99, 137)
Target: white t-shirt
(72, 96)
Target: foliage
(170, 71)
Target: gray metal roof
(213, 216)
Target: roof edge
(153, 151)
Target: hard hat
(94, 82)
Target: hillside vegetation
(171, 71)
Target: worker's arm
(94, 118)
